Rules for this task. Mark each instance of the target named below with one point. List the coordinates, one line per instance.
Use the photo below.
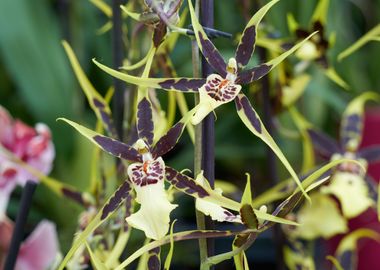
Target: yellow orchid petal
(351, 191)
(320, 219)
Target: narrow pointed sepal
(247, 41)
(208, 49)
(252, 121)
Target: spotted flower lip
(147, 179)
(31, 145)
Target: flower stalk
(18, 233)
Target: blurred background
(37, 84)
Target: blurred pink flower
(39, 251)
(31, 145)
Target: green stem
(201, 224)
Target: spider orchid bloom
(147, 179)
(148, 170)
(225, 87)
(32, 146)
(39, 251)
(315, 49)
(349, 183)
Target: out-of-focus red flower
(39, 251)
(31, 145)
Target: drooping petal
(215, 211)
(109, 145)
(40, 249)
(145, 124)
(153, 217)
(322, 218)
(215, 92)
(247, 41)
(208, 49)
(190, 85)
(324, 144)
(351, 191)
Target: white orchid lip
(153, 217)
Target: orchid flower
(348, 182)
(39, 251)
(31, 145)
(148, 170)
(219, 89)
(315, 49)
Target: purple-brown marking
(246, 46)
(183, 84)
(253, 74)
(248, 216)
(212, 55)
(185, 183)
(324, 144)
(242, 102)
(113, 203)
(145, 125)
(118, 149)
(168, 141)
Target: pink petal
(39, 251)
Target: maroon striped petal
(324, 145)
(185, 183)
(117, 148)
(182, 84)
(371, 154)
(168, 141)
(246, 46)
(253, 74)
(117, 198)
(145, 124)
(351, 131)
(154, 261)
